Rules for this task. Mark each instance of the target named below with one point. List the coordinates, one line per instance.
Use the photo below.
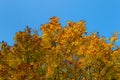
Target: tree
(67, 53)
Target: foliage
(60, 53)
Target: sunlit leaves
(67, 53)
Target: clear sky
(100, 15)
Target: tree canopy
(60, 53)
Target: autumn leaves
(60, 53)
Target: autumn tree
(60, 53)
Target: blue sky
(100, 15)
